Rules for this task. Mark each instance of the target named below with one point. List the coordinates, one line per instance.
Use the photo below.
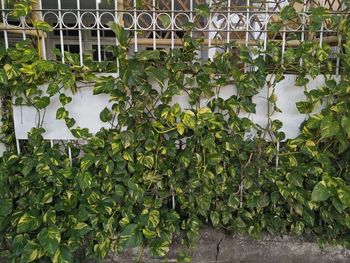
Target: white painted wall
(86, 108)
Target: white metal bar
(173, 200)
(191, 15)
(135, 26)
(277, 155)
(172, 23)
(80, 34)
(265, 26)
(116, 18)
(283, 44)
(5, 23)
(154, 24)
(303, 27)
(339, 46)
(60, 28)
(210, 26)
(51, 143)
(70, 156)
(247, 31)
(42, 39)
(24, 35)
(98, 31)
(228, 20)
(18, 147)
(322, 27)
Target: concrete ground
(219, 247)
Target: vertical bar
(283, 44)
(277, 154)
(339, 46)
(209, 24)
(172, 23)
(173, 200)
(116, 17)
(70, 156)
(228, 20)
(60, 28)
(265, 27)
(135, 26)
(18, 147)
(80, 35)
(322, 27)
(303, 27)
(98, 31)
(247, 32)
(116, 21)
(191, 15)
(5, 23)
(24, 35)
(37, 15)
(154, 24)
(42, 38)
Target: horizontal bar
(178, 42)
(19, 30)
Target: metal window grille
(162, 23)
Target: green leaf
(145, 55)
(344, 195)
(180, 127)
(106, 115)
(131, 236)
(121, 34)
(28, 222)
(149, 234)
(81, 229)
(165, 20)
(5, 207)
(127, 138)
(41, 25)
(233, 201)
(321, 192)
(158, 74)
(189, 119)
(70, 122)
(61, 113)
(52, 89)
(345, 123)
(153, 218)
(329, 127)
(84, 180)
(62, 255)
(146, 159)
(295, 179)
(30, 252)
(203, 10)
(81, 132)
(20, 9)
(65, 99)
(159, 248)
(86, 162)
(215, 218)
(103, 85)
(49, 239)
(42, 102)
(288, 12)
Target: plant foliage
(161, 169)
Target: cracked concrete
(219, 247)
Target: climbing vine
(160, 170)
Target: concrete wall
(219, 247)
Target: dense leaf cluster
(160, 169)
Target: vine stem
(242, 177)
